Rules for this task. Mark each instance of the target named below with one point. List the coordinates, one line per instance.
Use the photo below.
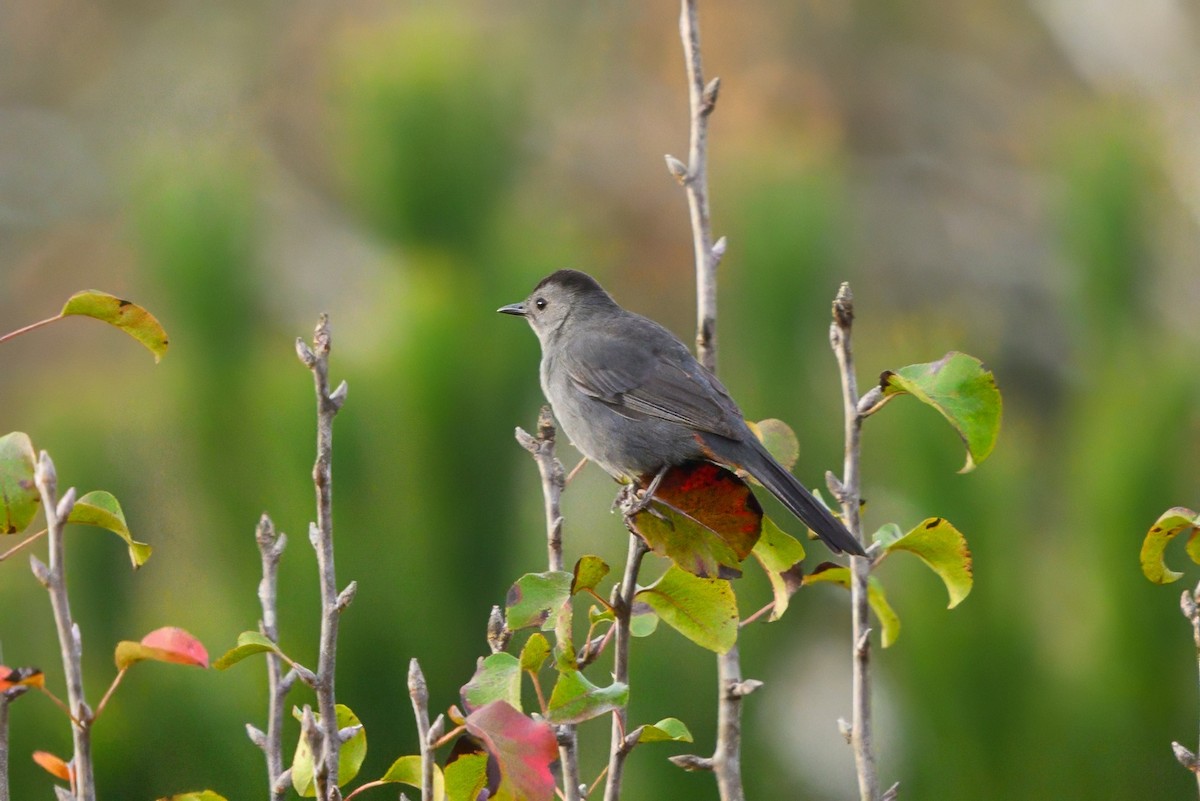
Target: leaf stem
(28, 328)
(31, 538)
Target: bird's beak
(513, 308)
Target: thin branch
(860, 567)
(321, 536)
(31, 538)
(1189, 604)
(622, 604)
(270, 547)
(554, 481)
(69, 640)
(112, 688)
(418, 691)
(30, 327)
(6, 698)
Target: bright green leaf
(575, 699)
(836, 574)
(703, 610)
(497, 678)
(780, 555)
(407, 770)
(667, 729)
(129, 317)
(466, 777)
(1169, 524)
(19, 496)
(248, 643)
(589, 570)
(101, 509)
(965, 393)
(536, 599)
(944, 549)
(350, 755)
(779, 439)
(534, 653)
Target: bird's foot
(631, 500)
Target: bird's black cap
(573, 280)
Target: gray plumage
(633, 399)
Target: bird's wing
(650, 374)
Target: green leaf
(667, 729)
(407, 770)
(248, 644)
(536, 598)
(19, 496)
(780, 555)
(575, 699)
(709, 520)
(466, 777)
(944, 549)
(779, 439)
(642, 621)
(101, 509)
(887, 534)
(129, 317)
(965, 393)
(524, 748)
(1169, 524)
(202, 795)
(350, 755)
(703, 610)
(836, 574)
(534, 653)
(497, 678)
(589, 571)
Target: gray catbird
(633, 400)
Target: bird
(633, 399)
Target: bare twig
(418, 691)
(1189, 605)
(554, 481)
(6, 697)
(70, 641)
(860, 567)
(30, 539)
(270, 547)
(622, 604)
(321, 536)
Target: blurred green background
(1014, 180)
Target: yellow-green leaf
(779, 439)
(1169, 524)
(19, 496)
(836, 574)
(129, 317)
(701, 609)
(407, 770)
(780, 555)
(667, 729)
(350, 755)
(535, 652)
(248, 643)
(944, 549)
(101, 509)
(962, 390)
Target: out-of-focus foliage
(1000, 179)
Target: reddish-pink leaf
(27, 676)
(168, 644)
(525, 748)
(53, 765)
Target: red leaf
(713, 520)
(525, 748)
(168, 644)
(53, 765)
(27, 676)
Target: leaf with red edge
(53, 765)
(20, 677)
(524, 748)
(535, 599)
(19, 496)
(712, 520)
(168, 644)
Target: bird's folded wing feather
(641, 382)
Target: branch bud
(843, 306)
(344, 735)
(44, 474)
(743, 688)
(338, 396)
(1185, 757)
(718, 249)
(678, 169)
(497, 631)
(691, 762)
(65, 504)
(307, 357)
(436, 730)
(40, 571)
(256, 736)
(708, 100)
(1187, 605)
(845, 729)
(346, 596)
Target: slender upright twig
(70, 641)
(860, 567)
(702, 99)
(321, 536)
(554, 480)
(6, 698)
(622, 603)
(1189, 604)
(270, 547)
(418, 691)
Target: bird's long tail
(750, 455)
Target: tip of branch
(416, 680)
(1185, 757)
(843, 306)
(322, 336)
(545, 421)
(497, 631)
(44, 474)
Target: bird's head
(556, 298)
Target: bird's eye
(540, 303)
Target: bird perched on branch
(633, 399)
